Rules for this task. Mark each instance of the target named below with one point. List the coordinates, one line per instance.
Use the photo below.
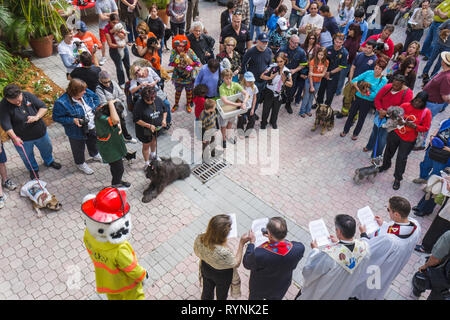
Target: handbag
(439, 155)
(257, 21)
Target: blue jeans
(435, 108)
(430, 39)
(429, 167)
(256, 29)
(381, 143)
(342, 75)
(295, 20)
(308, 97)
(435, 53)
(169, 113)
(131, 28)
(45, 149)
(426, 206)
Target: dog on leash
(162, 173)
(368, 173)
(324, 118)
(394, 118)
(40, 197)
(130, 156)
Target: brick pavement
(45, 258)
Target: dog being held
(167, 35)
(324, 118)
(162, 173)
(40, 196)
(364, 87)
(394, 118)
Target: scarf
(282, 248)
(220, 258)
(400, 230)
(348, 260)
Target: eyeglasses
(410, 67)
(142, 32)
(229, 45)
(237, 13)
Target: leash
(376, 140)
(23, 149)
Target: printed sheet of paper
(256, 228)
(444, 190)
(233, 232)
(319, 232)
(367, 218)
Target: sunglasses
(142, 32)
(229, 45)
(237, 13)
(106, 82)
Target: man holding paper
(330, 273)
(272, 263)
(390, 248)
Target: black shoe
(288, 107)
(381, 169)
(263, 126)
(55, 165)
(425, 58)
(339, 115)
(224, 144)
(314, 106)
(396, 184)
(415, 208)
(122, 184)
(256, 117)
(32, 177)
(274, 126)
(420, 213)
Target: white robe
(325, 279)
(390, 254)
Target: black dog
(167, 35)
(130, 156)
(162, 173)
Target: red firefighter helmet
(109, 205)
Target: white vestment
(330, 274)
(389, 253)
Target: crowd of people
(301, 61)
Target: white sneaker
(122, 86)
(85, 168)
(132, 140)
(102, 61)
(97, 157)
(2, 200)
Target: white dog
(120, 36)
(37, 192)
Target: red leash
(23, 149)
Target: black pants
(361, 105)
(78, 147)
(271, 106)
(125, 132)
(438, 227)
(296, 90)
(394, 142)
(246, 118)
(115, 56)
(220, 280)
(177, 28)
(260, 85)
(328, 86)
(117, 170)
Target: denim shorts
(3, 155)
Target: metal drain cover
(207, 171)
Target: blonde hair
(230, 40)
(209, 104)
(227, 73)
(244, 83)
(217, 231)
(143, 26)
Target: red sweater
(388, 41)
(385, 99)
(421, 117)
(199, 103)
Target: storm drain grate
(207, 171)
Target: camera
(379, 46)
(84, 125)
(264, 231)
(152, 42)
(287, 74)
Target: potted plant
(162, 7)
(35, 22)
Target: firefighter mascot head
(108, 226)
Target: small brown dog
(324, 118)
(398, 49)
(40, 197)
(444, 34)
(364, 87)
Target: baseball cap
(81, 25)
(263, 37)
(248, 76)
(282, 23)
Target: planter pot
(164, 17)
(42, 47)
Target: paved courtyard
(303, 176)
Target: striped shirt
(208, 120)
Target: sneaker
(8, 184)
(419, 181)
(85, 168)
(2, 200)
(123, 184)
(188, 109)
(97, 158)
(130, 140)
(102, 61)
(339, 115)
(174, 108)
(55, 165)
(396, 184)
(288, 108)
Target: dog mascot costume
(108, 226)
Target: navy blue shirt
(363, 63)
(331, 25)
(296, 57)
(337, 58)
(256, 62)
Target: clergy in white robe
(330, 273)
(390, 249)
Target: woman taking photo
(232, 55)
(149, 115)
(416, 118)
(110, 142)
(364, 100)
(277, 76)
(75, 111)
(218, 264)
(108, 90)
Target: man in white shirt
(311, 21)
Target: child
(272, 23)
(208, 118)
(199, 92)
(248, 83)
(317, 69)
(120, 36)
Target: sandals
(421, 249)
(343, 134)
(354, 138)
(365, 149)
